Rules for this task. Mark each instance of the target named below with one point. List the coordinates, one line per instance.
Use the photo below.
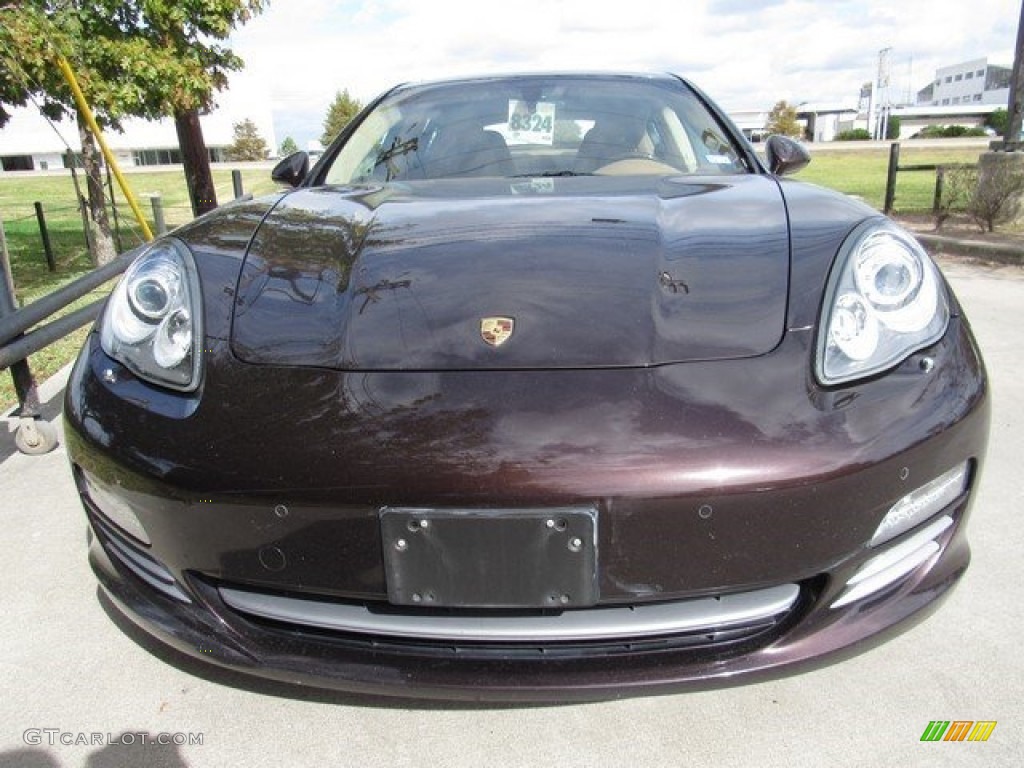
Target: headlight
(153, 322)
(885, 300)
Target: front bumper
(734, 483)
(207, 628)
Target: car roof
(664, 77)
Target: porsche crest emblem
(496, 330)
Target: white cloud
(746, 55)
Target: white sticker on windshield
(719, 159)
(530, 123)
(534, 187)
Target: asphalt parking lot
(81, 689)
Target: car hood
(572, 273)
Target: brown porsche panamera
(533, 387)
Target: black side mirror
(292, 170)
(785, 155)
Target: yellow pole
(83, 108)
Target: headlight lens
(885, 300)
(152, 324)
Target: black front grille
(727, 642)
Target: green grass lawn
(64, 222)
(862, 173)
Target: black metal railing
(16, 344)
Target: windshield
(536, 126)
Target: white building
(823, 121)
(750, 121)
(28, 142)
(913, 119)
(968, 83)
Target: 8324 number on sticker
(534, 123)
(530, 123)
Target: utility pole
(1015, 105)
(1007, 156)
(882, 94)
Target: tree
(782, 120)
(180, 62)
(138, 58)
(247, 143)
(288, 146)
(30, 38)
(339, 114)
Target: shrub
(959, 184)
(892, 127)
(948, 132)
(853, 134)
(998, 121)
(997, 197)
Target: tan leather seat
(468, 150)
(615, 137)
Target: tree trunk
(104, 251)
(196, 161)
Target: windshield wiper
(549, 174)
(396, 150)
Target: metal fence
(940, 171)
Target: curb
(1005, 253)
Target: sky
(746, 54)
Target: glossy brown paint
(796, 477)
(596, 272)
(770, 453)
(787, 505)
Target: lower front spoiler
(207, 629)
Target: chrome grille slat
(708, 614)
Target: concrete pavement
(68, 666)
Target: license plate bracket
(505, 558)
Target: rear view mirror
(292, 170)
